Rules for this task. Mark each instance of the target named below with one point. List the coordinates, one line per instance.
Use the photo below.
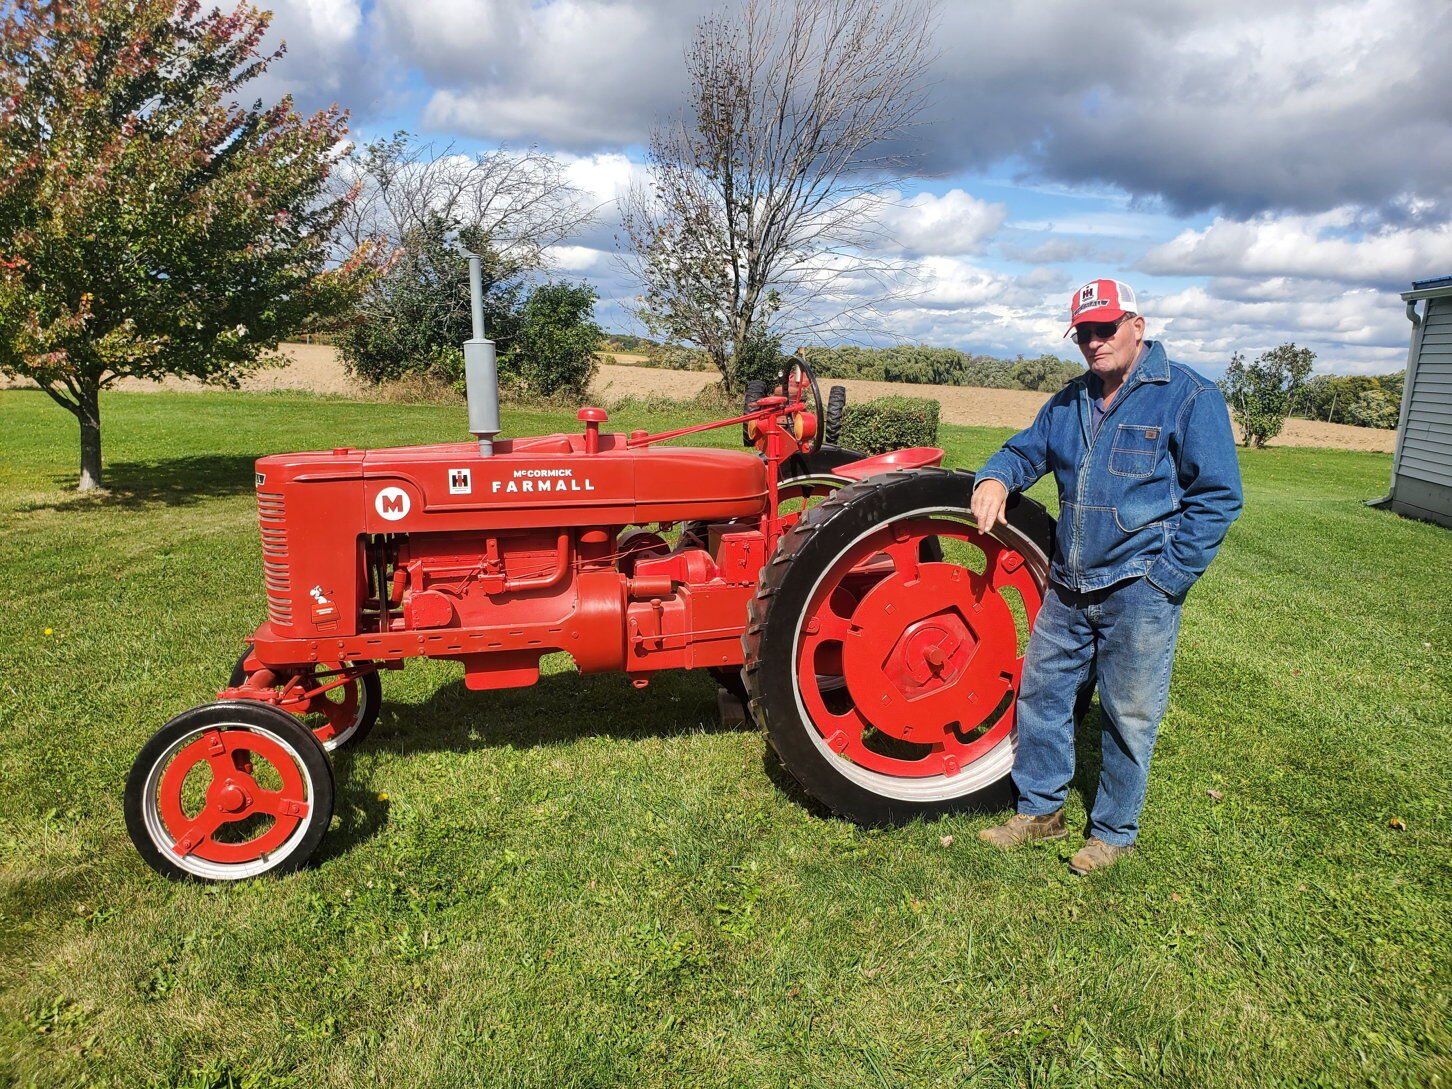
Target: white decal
(392, 504)
(563, 481)
(460, 482)
(512, 487)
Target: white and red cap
(1101, 300)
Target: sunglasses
(1098, 330)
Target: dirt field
(315, 367)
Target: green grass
(583, 885)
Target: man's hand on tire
(989, 500)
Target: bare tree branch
(518, 200)
(760, 205)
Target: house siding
(1422, 484)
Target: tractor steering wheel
(798, 383)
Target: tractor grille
(275, 572)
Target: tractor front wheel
(227, 791)
(886, 643)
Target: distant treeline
(1362, 400)
(943, 367)
(1365, 401)
(905, 363)
(624, 342)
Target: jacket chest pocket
(1136, 449)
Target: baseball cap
(1101, 300)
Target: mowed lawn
(580, 884)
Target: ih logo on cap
(1106, 300)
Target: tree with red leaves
(150, 225)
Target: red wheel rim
(233, 797)
(907, 667)
(337, 707)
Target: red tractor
(875, 633)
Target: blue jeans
(1127, 633)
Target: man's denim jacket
(1152, 493)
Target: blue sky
(1259, 173)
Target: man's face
(1113, 356)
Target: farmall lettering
(883, 672)
(553, 481)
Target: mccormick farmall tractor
(851, 602)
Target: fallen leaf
(1215, 795)
(1397, 823)
(1175, 896)
(1295, 673)
(946, 841)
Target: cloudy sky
(1258, 172)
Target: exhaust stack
(481, 374)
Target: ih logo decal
(460, 482)
(392, 504)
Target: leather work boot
(1021, 828)
(1097, 855)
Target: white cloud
(575, 258)
(577, 74)
(955, 223)
(326, 41)
(1306, 247)
(1357, 330)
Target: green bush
(757, 359)
(418, 312)
(554, 350)
(1260, 394)
(890, 423)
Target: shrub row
(890, 423)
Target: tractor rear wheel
(886, 642)
(339, 717)
(229, 790)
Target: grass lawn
(583, 885)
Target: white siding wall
(1426, 452)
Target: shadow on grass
(175, 482)
(1088, 757)
(560, 709)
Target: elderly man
(1143, 455)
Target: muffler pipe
(481, 372)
